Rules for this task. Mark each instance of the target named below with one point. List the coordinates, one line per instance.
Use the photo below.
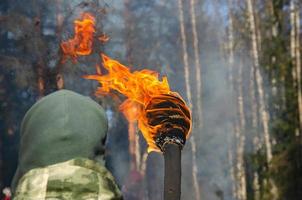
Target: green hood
(59, 127)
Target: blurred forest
(237, 63)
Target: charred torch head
(171, 117)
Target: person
(61, 151)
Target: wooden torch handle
(172, 181)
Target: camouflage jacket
(76, 179)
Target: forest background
(237, 63)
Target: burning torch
(162, 115)
(172, 117)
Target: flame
(81, 44)
(139, 87)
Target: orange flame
(139, 87)
(81, 44)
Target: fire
(81, 43)
(139, 87)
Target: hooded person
(61, 151)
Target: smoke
(143, 34)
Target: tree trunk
(293, 39)
(40, 65)
(256, 186)
(238, 194)
(296, 10)
(235, 188)
(197, 64)
(132, 145)
(259, 81)
(231, 170)
(298, 64)
(241, 138)
(257, 144)
(256, 137)
(143, 163)
(230, 42)
(270, 6)
(188, 94)
(40, 79)
(59, 19)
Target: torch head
(169, 115)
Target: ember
(81, 44)
(142, 88)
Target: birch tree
(259, 81)
(296, 27)
(264, 115)
(197, 63)
(257, 145)
(40, 67)
(188, 94)
(294, 46)
(293, 38)
(230, 56)
(241, 176)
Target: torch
(162, 115)
(172, 118)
